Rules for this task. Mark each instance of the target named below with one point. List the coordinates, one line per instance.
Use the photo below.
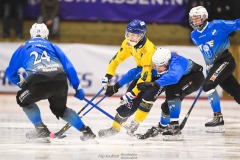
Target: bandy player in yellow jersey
(141, 49)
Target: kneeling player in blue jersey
(212, 40)
(178, 76)
(47, 69)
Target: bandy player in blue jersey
(47, 69)
(212, 40)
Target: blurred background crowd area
(77, 23)
(104, 21)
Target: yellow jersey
(142, 56)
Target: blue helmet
(137, 26)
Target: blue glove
(79, 94)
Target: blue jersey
(213, 40)
(40, 55)
(178, 67)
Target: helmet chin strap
(202, 26)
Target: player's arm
(68, 68)
(229, 25)
(122, 54)
(71, 73)
(175, 73)
(132, 74)
(14, 65)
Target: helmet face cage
(39, 30)
(198, 11)
(136, 27)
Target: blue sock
(72, 117)
(164, 120)
(174, 108)
(214, 100)
(33, 113)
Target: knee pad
(146, 105)
(124, 111)
(24, 98)
(58, 112)
(165, 108)
(207, 87)
(173, 92)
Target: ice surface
(197, 144)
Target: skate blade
(217, 129)
(173, 137)
(39, 140)
(131, 134)
(82, 138)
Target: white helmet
(39, 30)
(198, 11)
(161, 57)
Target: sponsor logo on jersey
(206, 48)
(144, 77)
(187, 85)
(147, 65)
(218, 71)
(202, 36)
(214, 32)
(24, 95)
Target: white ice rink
(197, 144)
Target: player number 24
(44, 56)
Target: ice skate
(172, 132)
(87, 133)
(40, 135)
(117, 124)
(216, 125)
(107, 132)
(132, 127)
(152, 132)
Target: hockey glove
(112, 89)
(106, 80)
(21, 81)
(127, 98)
(79, 93)
(145, 85)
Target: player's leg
(26, 98)
(58, 100)
(232, 87)
(161, 126)
(219, 72)
(175, 94)
(148, 98)
(123, 112)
